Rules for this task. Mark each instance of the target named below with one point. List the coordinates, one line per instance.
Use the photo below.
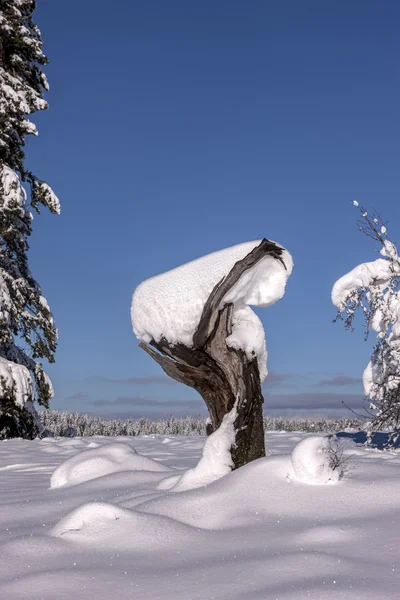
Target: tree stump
(222, 375)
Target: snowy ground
(255, 534)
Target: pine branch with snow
(373, 289)
(24, 313)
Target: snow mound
(311, 461)
(102, 524)
(98, 462)
(216, 460)
(91, 518)
(259, 490)
(266, 490)
(170, 305)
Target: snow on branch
(43, 194)
(373, 288)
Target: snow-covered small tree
(27, 330)
(373, 289)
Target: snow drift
(116, 527)
(98, 462)
(216, 460)
(254, 534)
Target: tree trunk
(222, 375)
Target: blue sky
(178, 128)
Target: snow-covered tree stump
(225, 374)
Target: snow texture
(312, 462)
(362, 276)
(17, 379)
(216, 460)
(253, 534)
(14, 196)
(170, 305)
(98, 462)
(19, 93)
(91, 520)
(49, 198)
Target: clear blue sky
(178, 128)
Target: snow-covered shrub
(373, 289)
(318, 460)
(338, 460)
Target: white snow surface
(254, 534)
(170, 305)
(98, 462)
(215, 462)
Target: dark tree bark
(222, 375)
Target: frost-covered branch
(373, 289)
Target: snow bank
(216, 460)
(264, 490)
(105, 525)
(98, 462)
(91, 518)
(311, 461)
(170, 305)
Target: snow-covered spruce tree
(27, 330)
(373, 289)
(196, 323)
